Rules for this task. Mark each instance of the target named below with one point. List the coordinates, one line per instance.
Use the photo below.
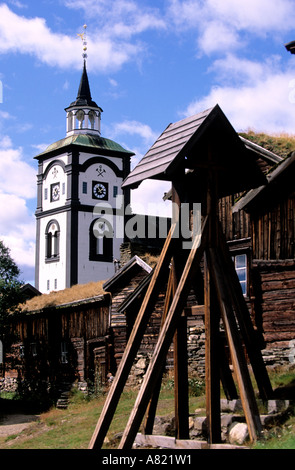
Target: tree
(10, 291)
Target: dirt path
(15, 423)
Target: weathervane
(84, 41)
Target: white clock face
(55, 192)
(100, 191)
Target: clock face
(99, 190)
(55, 192)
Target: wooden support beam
(160, 275)
(237, 355)
(181, 404)
(212, 358)
(245, 323)
(164, 340)
(152, 406)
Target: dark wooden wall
(84, 327)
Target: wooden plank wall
(274, 232)
(234, 226)
(274, 291)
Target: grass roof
(79, 292)
(281, 144)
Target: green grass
(72, 428)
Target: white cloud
(16, 176)
(135, 128)
(120, 18)
(265, 105)
(224, 25)
(33, 36)
(148, 198)
(17, 187)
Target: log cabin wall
(274, 231)
(65, 343)
(234, 225)
(274, 297)
(120, 289)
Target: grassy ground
(72, 428)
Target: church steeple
(83, 114)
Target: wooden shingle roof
(166, 148)
(184, 145)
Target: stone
(238, 433)
(275, 406)
(200, 423)
(141, 364)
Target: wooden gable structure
(205, 160)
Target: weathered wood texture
(274, 231)
(274, 292)
(80, 327)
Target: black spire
(84, 95)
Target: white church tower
(80, 208)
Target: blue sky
(149, 63)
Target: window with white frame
(241, 266)
(52, 235)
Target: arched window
(52, 235)
(100, 241)
(70, 121)
(91, 118)
(80, 115)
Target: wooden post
(212, 359)
(245, 323)
(212, 315)
(159, 274)
(235, 346)
(152, 406)
(181, 405)
(164, 341)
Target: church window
(52, 235)
(115, 191)
(100, 241)
(84, 187)
(46, 193)
(48, 284)
(63, 188)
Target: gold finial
(84, 41)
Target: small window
(240, 262)
(55, 283)
(48, 285)
(34, 349)
(46, 194)
(64, 352)
(63, 188)
(115, 191)
(84, 187)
